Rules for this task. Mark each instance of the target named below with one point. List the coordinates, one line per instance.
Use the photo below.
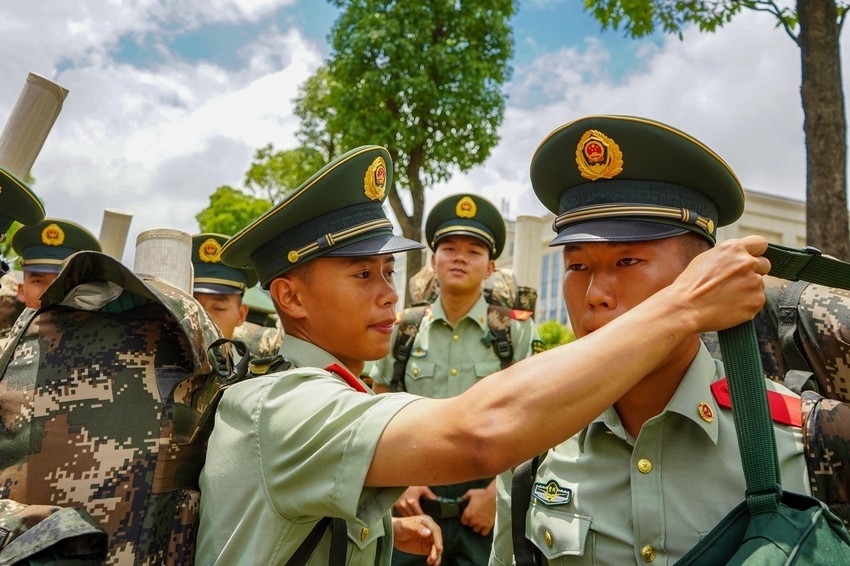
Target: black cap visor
(377, 245)
(615, 231)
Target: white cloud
(737, 90)
(155, 142)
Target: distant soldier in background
(42, 248)
(218, 287)
(451, 344)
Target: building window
(544, 284)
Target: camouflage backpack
(505, 301)
(101, 392)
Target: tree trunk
(825, 128)
(411, 224)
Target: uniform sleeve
(502, 551)
(382, 370)
(524, 335)
(316, 439)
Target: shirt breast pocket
(419, 377)
(483, 369)
(557, 532)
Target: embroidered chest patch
(551, 493)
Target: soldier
(636, 201)
(449, 352)
(42, 248)
(218, 287)
(308, 443)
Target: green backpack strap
(408, 327)
(522, 483)
(807, 264)
(15, 335)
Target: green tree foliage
(553, 333)
(815, 26)
(314, 108)
(274, 174)
(422, 79)
(230, 210)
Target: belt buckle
(449, 508)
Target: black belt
(442, 508)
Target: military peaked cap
(17, 202)
(211, 275)
(469, 215)
(624, 178)
(337, 212)
(44, 246)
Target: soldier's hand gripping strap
(227, 376)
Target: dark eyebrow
(366, 260)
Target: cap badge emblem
(466, 208)
(375, 182)
(598, 156)
(52, 235)
(210, 251)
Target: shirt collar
(305, 354)
(477, 314)
(693, 392)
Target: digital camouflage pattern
(10, 307)
(97, 409)
(262, 341)
(826, 423)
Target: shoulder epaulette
(784, 409)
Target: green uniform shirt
(614, 495)
(288, 449)
(445, 361)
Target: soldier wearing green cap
(635, 202)
(17, 203)
(218, 287)
(42, 248)
(308, 445)
(454, 345)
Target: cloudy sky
(170, 98)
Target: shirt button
(644, 466)
(453, 372)
(647, 553)
(455, 337)
(364, 534)
(547, 536)
(415, 372)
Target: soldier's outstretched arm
(543, 400)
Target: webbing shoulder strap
(789, 317)
(499, 321)
(807, 264)
(339, 543)
(525, 553)
(408, 328)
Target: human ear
(287, 294)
